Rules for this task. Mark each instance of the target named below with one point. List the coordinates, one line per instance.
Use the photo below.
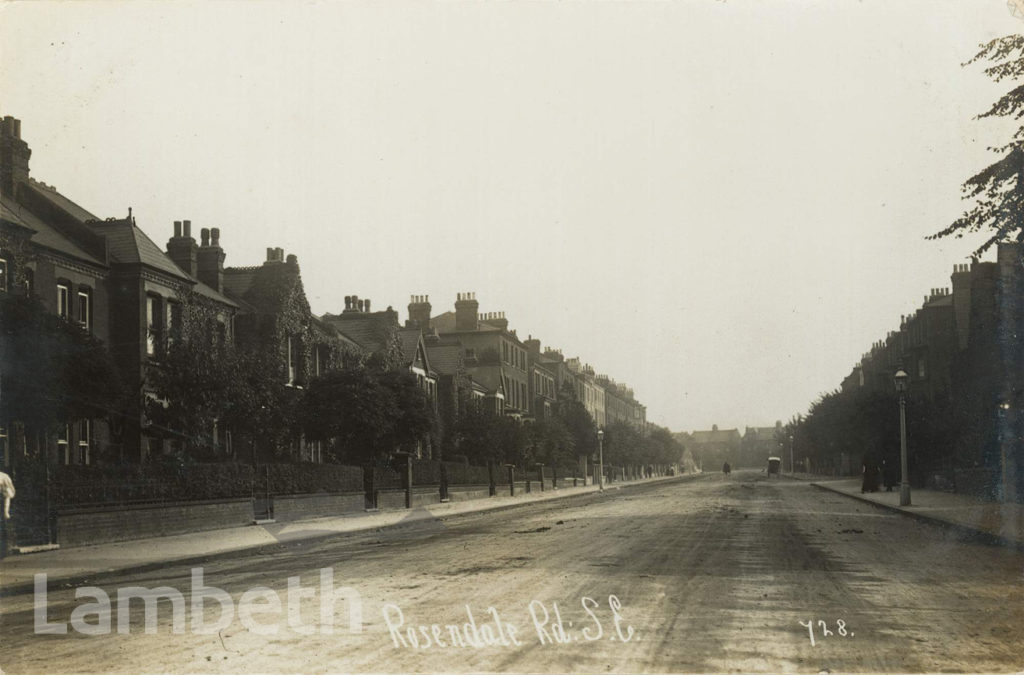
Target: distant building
(759, 443)
(498, 356)
(715, 446)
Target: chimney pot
(204, 235)
(293, 259)
(367, 305)
(186, 228)
(177, 228)
(215, 237)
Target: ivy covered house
(110, 280)
(55, 409)
(279, 337)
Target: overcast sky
(720, 203)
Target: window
(317, 365)
(3, 275)
(173, 321)
(85, 309)
(921, 367)
(84, 439)
(30, 281)
(154, 321)
(63, 298)
(291, 346)
(63, 447)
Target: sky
(720, 203)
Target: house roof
(445, 323)
(128, 244)
(370, 330)
(264, 288)
(445, 358)
(238, 280)
(57, 199)
(940, 301)
(43, 234)
(489, 377)
(410, 341)
(328, 330)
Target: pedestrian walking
(7, 492)
(869, 482)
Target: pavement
(87, 562)
(1001, 522)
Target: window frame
(85, 294)
(84, 442)
(64, 300)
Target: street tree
(51, 369)
(997, 191)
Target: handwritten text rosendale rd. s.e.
(490, 629)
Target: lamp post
(900, 378)
(792, 468)
(600, 459)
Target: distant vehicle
(774, 463)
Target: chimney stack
(210, 260)
(14, 156)
(182, 248)
(466, 312)
(419, 312)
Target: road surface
(698, 575)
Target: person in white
(7, 492)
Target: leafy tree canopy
(52, 369)
(997, 192)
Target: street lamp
(600, 459)
(900, 378)
(792, 467)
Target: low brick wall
(102, 525)
(425, 495)
(461, 493)
(390, 499)
(297, 507)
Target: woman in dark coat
(870, 481)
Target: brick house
(108, 276)
(498, 357)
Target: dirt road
(714, 574)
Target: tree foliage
(53, 370)
(366, 414)
(997, 192)
(196, 380)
